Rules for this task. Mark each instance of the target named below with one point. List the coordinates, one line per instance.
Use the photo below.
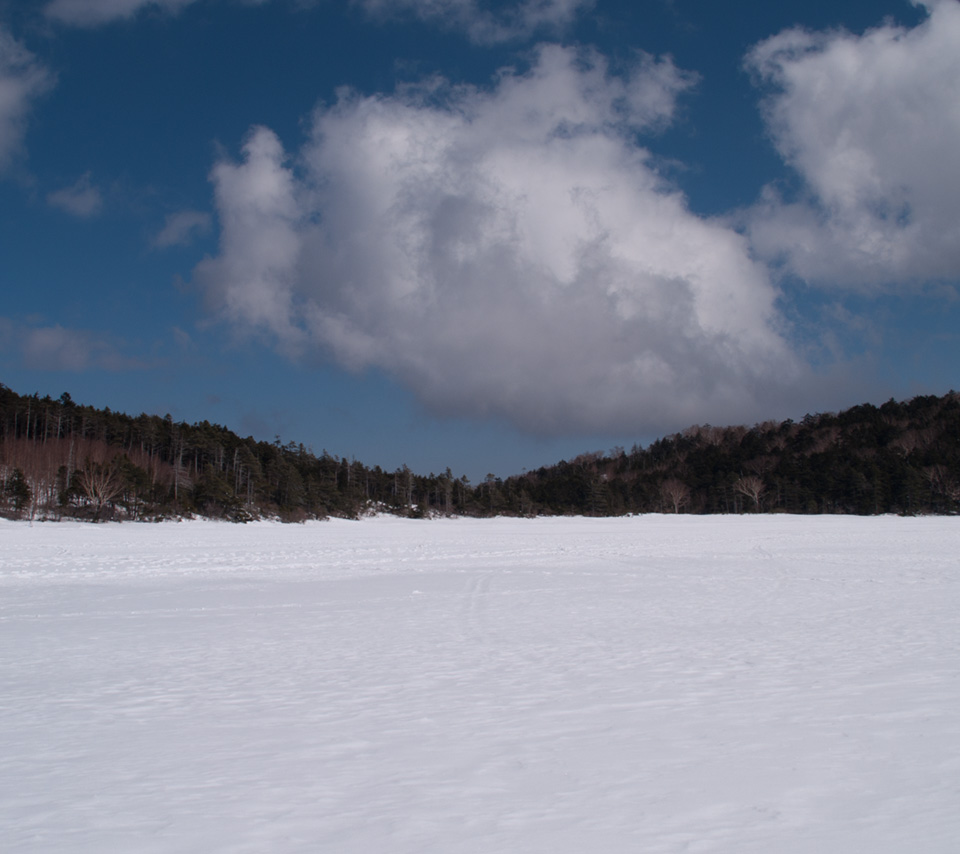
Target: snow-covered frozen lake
(652, 684)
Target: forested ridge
(62, 459)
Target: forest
(60, 459)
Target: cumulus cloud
(262, 225)
(510, 252)
(22, 79)
(182, 228)
(871, 123)
(481, 23)
(81, 199)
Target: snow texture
(649, 684)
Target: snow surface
(648, 684)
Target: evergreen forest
(60, 459)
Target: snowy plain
(647, 684)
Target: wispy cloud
(56, 348)
(518, 19)
(182, 228)
(22, 79)
(81, 199)
(93, 13)
(870, 122)
(510, 252)
(482, 24)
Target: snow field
(647, 684)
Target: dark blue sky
(478, 235)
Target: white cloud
(510, 21)
(251, 282)
(871, 123)
(22, 79)
(508, 252)
(81, 199)
(92, 13)
(182, 228)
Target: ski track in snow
(647, 684)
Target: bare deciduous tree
(102, 484)
(675, 492)
(762, 466)
(943, 483)
(751, 487)
(906, 442)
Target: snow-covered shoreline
(653, 683)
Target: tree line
(62, 459)
(896, 458)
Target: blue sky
(483, 235)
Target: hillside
(895, 458)
(60, 459)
